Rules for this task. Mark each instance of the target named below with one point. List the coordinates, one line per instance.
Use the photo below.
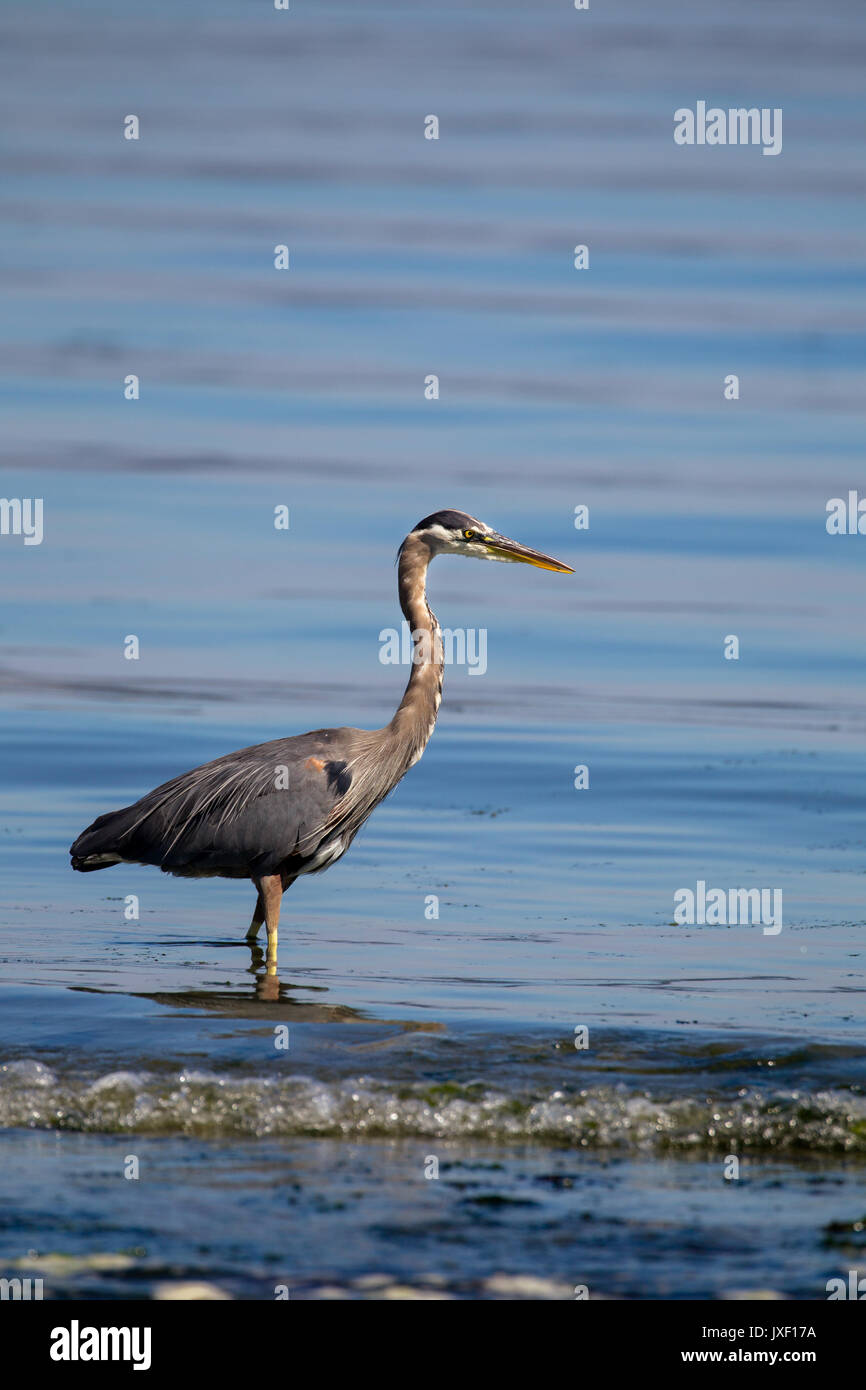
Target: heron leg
(258, 914)
(271, 892)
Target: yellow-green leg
(258, 915)
(271, 892)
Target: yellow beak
(504, 549)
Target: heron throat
(415, 718)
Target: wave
(599, 1117)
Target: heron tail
(85, 864)
(97, 846)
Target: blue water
(450, 1036)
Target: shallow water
(395, 1159)
(451, 1037)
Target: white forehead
(439, 535)
(443, 540)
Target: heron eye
(469, 535)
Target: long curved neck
(415, 718)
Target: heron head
(457, 533)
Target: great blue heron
(293, 806)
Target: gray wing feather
(246, 813)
